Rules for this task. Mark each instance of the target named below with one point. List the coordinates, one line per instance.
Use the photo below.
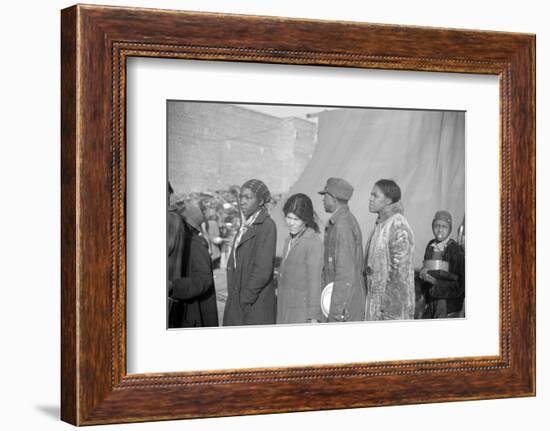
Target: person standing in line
(389, 251)
(343, 256)
(191, 288)
(444, 294)
(299, 285)
(250, 288)
(174, 245)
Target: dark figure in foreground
(191, 292)
(343, 259)
(250, 288)
(445, 289)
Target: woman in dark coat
(191, 283)
(250, 288)
(299, 285)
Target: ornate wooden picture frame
(96, 42)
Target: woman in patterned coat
(389, 266)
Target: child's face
(441, 230)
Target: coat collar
(339, 213)
(390, 210)
(440, 246)
(194, 234)
(250, 233)
(261, 216)
(306, 234)
(449, 243)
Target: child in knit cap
(444, 290)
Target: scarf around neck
(242, 230)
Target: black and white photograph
(299, 214)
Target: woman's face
(249, 202)
(441, 230)
(378, 200)
(294, 223)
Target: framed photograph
(258, 208)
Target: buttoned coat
(299, 285)
(250, 288)
(343, 265)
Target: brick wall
(212, 146)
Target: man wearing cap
(190, 280)
(343, 260)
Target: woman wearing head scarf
(250, 289)
(390, 272)
(299, 284)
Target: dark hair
(259, 188)
(390, 189)
(301, 205)
(170, 189)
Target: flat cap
(339, 188)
